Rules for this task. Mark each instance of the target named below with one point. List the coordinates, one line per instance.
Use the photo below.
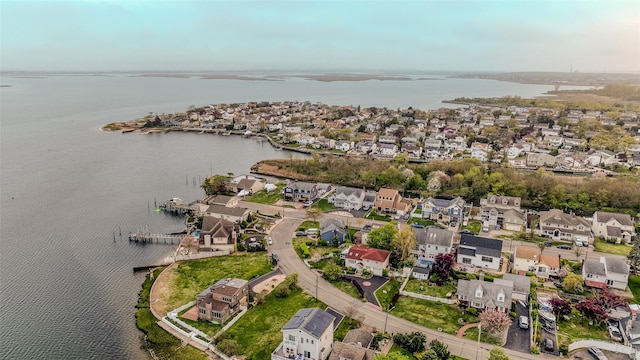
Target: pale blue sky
(323, 35)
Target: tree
(560, 306)
(441, 350)
(572, 283)
(590, 308)
(403, 242)
(610, 301)
(314, 213)
(494, 321)
(497, 354)
(380, 238)
(216, 184)
(634, 256)
(443, 266)
(429, 355)
(332, 271)
(412, 342)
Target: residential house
(218, 234)
(332, 231)
(482, 295)
(387, 149)
(354, 346)
(520, 285)
(557, 225)
(365, 147)
(530, 259)
(613, 226)
(234, 214)
(444, 210)
(248, 186)
(347, 198)
(387, 200)
(307, 336)
(387, 139)
(366, 258)
(369, 200)
(420, 273)
(540, 159)
(502, 212)
(222, 300)
(480, 252)
(481, 155)
(224, 200)
(300, 191)
(430, 242)
(412, 150)
(605, 272)
(602, 158)
(344, 145)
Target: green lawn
(313, 250)
(371, 215)
(473, 225)
(423, 287)
(433, 315)
(324, 205)
(192, 277)
(257, 333)
(264, 197)
(423, 222)
(397, 349)
(609, 248)
(472, 334)
(578, 328)
(344, 327)
(634, 286)
(308, 224)
(346, 287)
(391, 288)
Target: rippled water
(66, 286)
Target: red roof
(365, 253)
(595, 284)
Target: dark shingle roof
(433, 235)
(483, 246)
(314, 321)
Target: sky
(137, 35)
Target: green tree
(572, 283)
(381, 238)
(634, 256)
(216, 184)
(441, 350)
(391, 356)
(497, 354)
(332, 271)
(403, 243)
(429, 355)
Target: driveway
(519, 339)
(369, 286)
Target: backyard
(424, 287)
(610, 248)
(386, 293)
(267, 197)
(324, 205)
(578, 328)
(473, 225)
(433, 315)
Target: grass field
(423, 287)
(264, 197)
(258, 333)
(609, 248)
(473, 225)
(192, 277)
(578, 328)
(386, 293)
(433, 315)
(324, 205)
(634, 286)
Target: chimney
(481, 276)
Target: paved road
(373, 316)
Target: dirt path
(159, 291)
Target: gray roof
(489, 292)
(331, 224)
(433, 235)
(466, 251)
(221, 209)
(618, 266)
(312, 320)
(521, 284)
(483, 246)
(623, 219)
(301, 185)
(348, 191)
(595, 267)
(446, 202)
(359, 335)
(420, 270)
(370, 196)
(614, 231)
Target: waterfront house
(558, 225)
(235, 214)
(308, 336)
(605, 272)
(332, 231)
(613, 226)
(364, 258)
(224, 200)
(502, 212)
(218, 234)
(347, 198)
(482, 294)
(480, 252)
(222, 300)
(443, 210)
(430, 242)
(248, 186)
(300, 191)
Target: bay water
(68, 189)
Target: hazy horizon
(322, 36)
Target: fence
(428, 297)
(618, 348)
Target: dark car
(564, 247)
(301, 233)
(548, 344)
(468, 232)
(548, 243)
(418, 226)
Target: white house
(503, 212)
(347, 198)
(529, 259)
(344, 145)
(481, 294)
(444, 210)
(387, 149)
(307, 336)
(480, 155)
(430, 242)
(480, 252)
(616, 226)
(557, 225)
(365, 258)
(606, 272)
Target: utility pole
(317, 276)
(478, 348)
(389, 308)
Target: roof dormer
(479, 291)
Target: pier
(148, 238)
(177, 207)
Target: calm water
(66, 287)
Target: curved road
(309, 281)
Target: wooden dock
(148, 238)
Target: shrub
(512, 315)
(385, 272)
(472, 311)
(323, 243)
(305, 250)
(240, 246)
(228, 347)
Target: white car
(523, 322)
(270, 241)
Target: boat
(225, 133)
(547, 316)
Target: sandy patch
(268, 284)
(160, 290)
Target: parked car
(548, 327)
(418, 226)
(308, 203)
(523, 322)
(564, 247)
(614, 332)
(548, 345)
(270, 241)
(467, 231)
(548, 243)
(597, 353)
